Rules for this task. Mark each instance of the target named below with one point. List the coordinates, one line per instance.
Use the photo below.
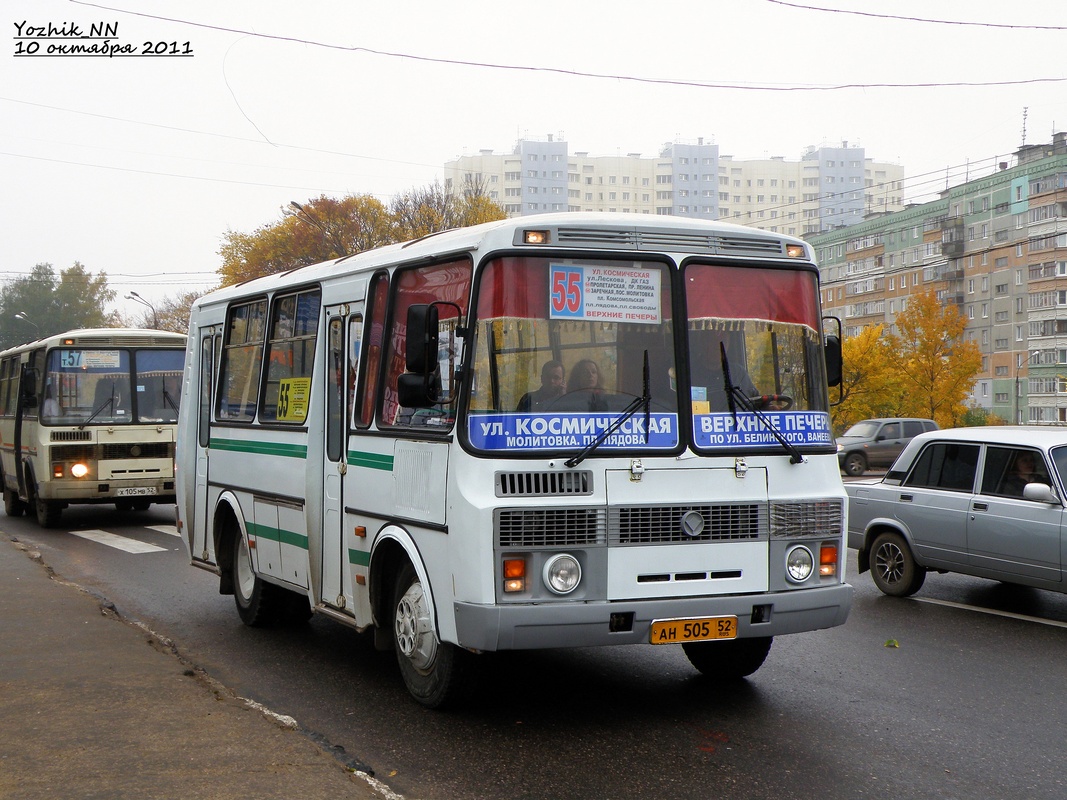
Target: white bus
(371, 439)
(89, 416)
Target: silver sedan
(986, 501)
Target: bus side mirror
(832, 351)
(431, 360)
(418, 391)
(423, 339)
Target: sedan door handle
(981, 506)
(906, 498)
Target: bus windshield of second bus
(561, 344)
(98, 385)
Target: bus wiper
(168, 400)
(110, 401)
(736, 397)
(644, 400)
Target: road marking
(170, 530)
(118, 542)
(993, 612)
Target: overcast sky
(137, 166)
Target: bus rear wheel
(433, 671)
(730, 660)
(13, 507)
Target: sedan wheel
(893, 566)
(855, 464)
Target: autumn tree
(326, 228)
(870, 381)
(317, 230)
(937, 365)
(48, 303)
(434, 208)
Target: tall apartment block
(828, 187)
(995, 247)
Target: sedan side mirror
(1040, 493)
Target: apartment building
(827, 187)
(995, 247)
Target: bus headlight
(562, 573)
(799, 564)
(79, 470)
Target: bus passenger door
(198, 544)
(336, 585)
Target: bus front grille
(631, 525)
(726, 522)
(543, 484)
(550, 527)
(112, 452)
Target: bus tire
(13, 507)
(433, 671)
(729, 660)
(259, 603)
(48, 511)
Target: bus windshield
(109, 386)
(755, 357)
(560, 347)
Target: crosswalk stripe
(170, 530)
(118, 542)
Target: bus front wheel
(433, 670)
(48, 511)
(729, 660)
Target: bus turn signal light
(514, 574)
(828, 560)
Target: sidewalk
(94, 707)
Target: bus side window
(355, 343)
(447, 285)
(375, 336)
(242, 360)
(290, 357)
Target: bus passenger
(551, 388)
(585, 378)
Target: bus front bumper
(588, 624)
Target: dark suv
(877, 442)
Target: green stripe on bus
(260, 448)
(359, 558)
(278, 535)
(370, 460)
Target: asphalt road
(955, 693)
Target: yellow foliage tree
(434, 208)
(319, 230)
(870, 380)
(325, 228)
(937, 365)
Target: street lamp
(22, 316)
(304, 215)
(142, 301)
(1016, 411)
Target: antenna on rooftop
(1024, 125)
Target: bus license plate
(135, 491)
(701, 629)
